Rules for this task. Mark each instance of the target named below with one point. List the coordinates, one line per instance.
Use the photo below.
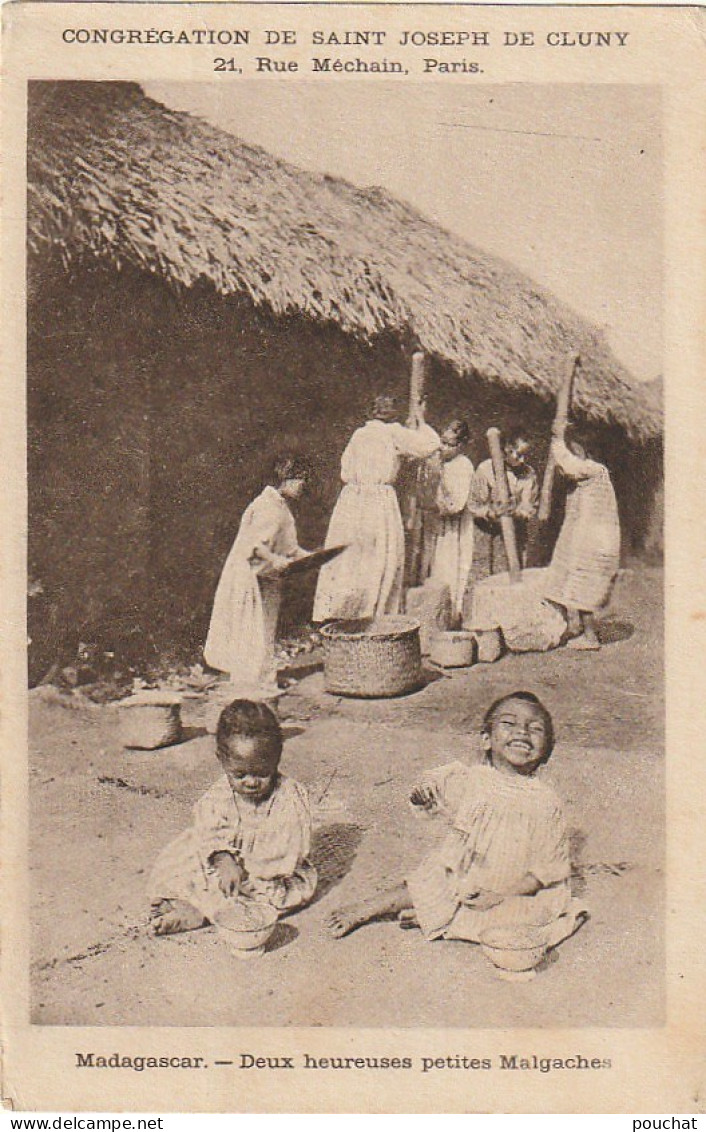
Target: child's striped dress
(501, 828)
(587, 553)
(271, 837)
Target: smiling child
(504, 862)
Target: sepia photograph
(345, 554)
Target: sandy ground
(100, 814)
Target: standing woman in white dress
(453, 522)
(587, 552)
(366, 579)
(241, 636)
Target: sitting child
(250, 834)
(504, 862)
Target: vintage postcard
(351, 353)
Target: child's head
(384, 408)
(585, 442)
(516, 447)
(249, 747)
(517, 733)
(290, 475)
(453, 438)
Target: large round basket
(382, 658)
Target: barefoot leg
(172, 916)
(574, 628)
(587, 639)
(590, 632)
(389, 902)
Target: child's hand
(279, 562)
(507, 508)
(229, 872)
(426, 797)
(482, 899)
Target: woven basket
(149, 720)
(452, 649)
(375, 660)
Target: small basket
(489, 645)
(452, 649)
(372, 661)
(149, 720)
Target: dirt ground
(100, 814)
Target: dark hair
(528, 698)
(513, 432)
(383, 407)
(289, 466)
(590, 440)
(460, 430)
(249, 719)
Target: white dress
(587, 553)
(366, 580)
(453, 544)
(241, 636)
(499, 828)
(272, 838)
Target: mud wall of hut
(154, 418)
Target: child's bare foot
(347, 919)
(172, 916)
(584, 643)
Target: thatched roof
(116, 176)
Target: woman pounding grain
(587, 553)
(366, 579)
(489, 554)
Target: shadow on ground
(333, 853)
(284, 934)
(614, 629)
(189, 733)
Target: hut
(195, 303)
